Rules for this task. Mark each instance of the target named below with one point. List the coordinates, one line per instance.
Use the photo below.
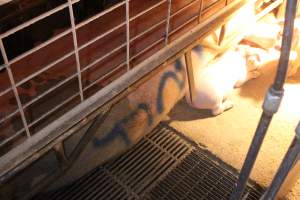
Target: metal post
(168, 22)
(76, 49)
(288, 162)
(190, 74)
(271, 103)
(127, 35)
(15, 91)
(200, 11)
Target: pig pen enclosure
(86, 84)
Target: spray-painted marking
(119, 130)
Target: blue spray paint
(119, 130)
(166, 76)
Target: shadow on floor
(193, 113)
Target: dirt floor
(229, 134)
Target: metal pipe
(168, 22)
(127, 35)
(75, 43)
(271, 103)
(287, 164)
(290, 13)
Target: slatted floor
(164, 165)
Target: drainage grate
(164, 165)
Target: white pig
(216, 80)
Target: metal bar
(147, 48)
(287, 37)
(168, 22)
(104, 76)
(39, 119)
(53, 109)
(89, 134)
(8, 116)
(271, 103)
(47, 67)
(31, 51)
(184, 24)
(190, 74)
(18, 158)
(183, 8)
(5, 91)
(286, 165)
(101, 36)
(103, 57)
(76, 49)
(127, 35)
(200, 11)
(148, 30)
(13, 85)
(290, 180)
(100, 15)
(147, 10)
(61, 156)
(34, 20)
(2, 67)
(49, 90)
(251, 156)
(11, 137)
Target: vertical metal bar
(76, 49)
(272, 101)
(190, 74)
(127, 35)
(200, 11)
(223, 31)
(286, 165)
(168, 22)
(13, 84)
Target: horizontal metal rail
(49, 91)
(103, 57)
(34, 20)
(147, 10)
(12, 162)
(40, 46)
(104, 76)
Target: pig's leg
(221, 107)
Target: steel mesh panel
(163, 165)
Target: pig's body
(214, 82)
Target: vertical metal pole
(127, 35)
(190, 74)
(271, 103)
(168, 22)
(223, 31)
(15, 91)
(200, 11)
(285, 167)
(76, 49)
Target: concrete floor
(229, 134)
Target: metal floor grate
(164, 165)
